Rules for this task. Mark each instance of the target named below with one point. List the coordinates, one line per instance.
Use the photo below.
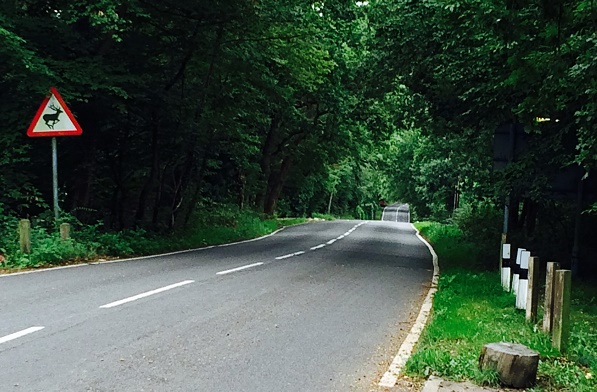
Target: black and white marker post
(516, 271)
(523, 280)
(506, 267)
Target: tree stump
(515, 364)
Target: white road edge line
(19, 334)
(141, 257)
(146, 294)
(391, 376)
(244, 267)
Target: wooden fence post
(533, 290)
(25, 235)
(64, 231)
(561, 310)
(550, 277)
(504, 240)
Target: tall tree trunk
(275, 185)
(158, 198)
(266, 158)
(242, 183)
(153, 174)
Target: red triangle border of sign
(67, 111)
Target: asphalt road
(397, 212)
(328, 319)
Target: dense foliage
(295, 108)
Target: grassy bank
(89, 242)
(471, 309)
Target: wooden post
(550, 277)
(64, 231)
(533, 290)
(504, 240)
(561, 310)
(516, 271)
(25, 235)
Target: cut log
(515, 364)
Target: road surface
(398, 212)
(316, 307)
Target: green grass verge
(471, 309)
(214, 227)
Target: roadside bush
(449, 241)
(50, 249)
(479, 224)
(9, 239)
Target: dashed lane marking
(146, 294)
(244, 267)
(19, 334)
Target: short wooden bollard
(550, 280)
(533, 290)
(25, 235)
(64, 231)
(560, 331)
(515, 364)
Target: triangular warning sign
(54, 118)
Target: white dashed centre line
(290, 255)
(146, 294)
(19, 334)
(244, 267)
(284, 257)
(330, 242)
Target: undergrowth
(212, 227)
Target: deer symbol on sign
(52, 119)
